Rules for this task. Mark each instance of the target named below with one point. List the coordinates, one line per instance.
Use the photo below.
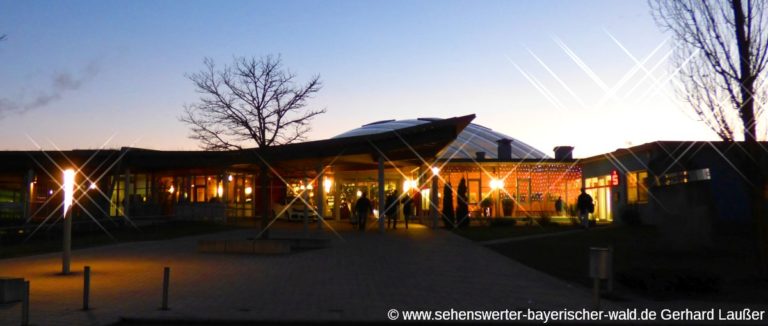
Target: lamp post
(69, 188)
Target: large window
(637, 187)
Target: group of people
(364, 207)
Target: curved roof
(475, 138)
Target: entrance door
(602, 199)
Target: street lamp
(69, 189)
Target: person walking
(559, 206)
(407, 208)
(585, 206)
(392, 208)
(345, 214)
(363, 207)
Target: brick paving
(359, 277)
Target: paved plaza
(360, 276)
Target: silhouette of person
(585, 205)
(392, 208)
(407, 208)
(344, 212)
(559, 205)
(363, 207)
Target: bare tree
(253, 101)
(721, 53)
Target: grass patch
(45, 243)
(645, 265)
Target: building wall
(621, 165)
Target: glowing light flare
(248, 190)
(220, 190)
(409, 184)
(327, 183)
(171, 189)
(69, 189)
(92, 186)
(497, 184)
(435, 170)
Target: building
(679, 185)
(505, 177)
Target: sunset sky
(549, 73)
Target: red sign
(614, 178)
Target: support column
(126, 192)
(305, 196)
(320, 197)
(27, 195)
(381, 194)
(400, 193)
(266, 208)
(433, 201)
(337, 199)
(225, 194)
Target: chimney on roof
(563, 153)
(504, 149)
(480, 156)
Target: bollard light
(69, 189)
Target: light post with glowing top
(69, 188)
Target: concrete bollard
(599, 269)
(25, 305)
(86, 287)
(610, 270)
(166, 281)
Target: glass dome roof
(475, 138)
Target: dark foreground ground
(647, 265)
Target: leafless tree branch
(253, 100)
(722, 56)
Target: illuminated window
(637, 187)
(674, 178)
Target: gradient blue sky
(93, 69)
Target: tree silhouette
(462, 209)
(449, 220)
(253, 101)
(721, 52)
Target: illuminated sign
(614, 178)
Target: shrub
(506, 205)
(485, 204)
